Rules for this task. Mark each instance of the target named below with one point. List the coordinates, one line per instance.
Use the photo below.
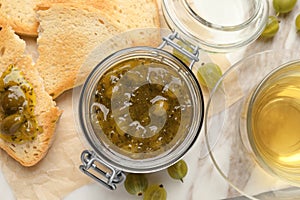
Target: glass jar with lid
(141, 108)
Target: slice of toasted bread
(20, 15)
(46, 112)
(67, 34)
(129, 14)
(133, 15)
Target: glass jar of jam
(140, 110)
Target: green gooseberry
(178, 171)
(284, 6)
(11, 100)
(136, 184)
(271, 28)
(297, 22)
(180, 56)
(209, 74)
(155, 192)
(11, 124)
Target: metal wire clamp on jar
(110, 158)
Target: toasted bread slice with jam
(28, 153)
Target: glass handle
(98, 170)
(193, 55)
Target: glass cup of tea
(252, 117)
(273, 117)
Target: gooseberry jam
(140, 110)
(141, 106)
(17, 101)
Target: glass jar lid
(141, 109)
(217, 26)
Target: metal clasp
(169, 40)
(98, 170)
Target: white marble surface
(203, 180)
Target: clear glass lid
(217, 26)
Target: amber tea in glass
(273, 122)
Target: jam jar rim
(173, 19)
(158, 164)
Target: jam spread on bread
(18, 123)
